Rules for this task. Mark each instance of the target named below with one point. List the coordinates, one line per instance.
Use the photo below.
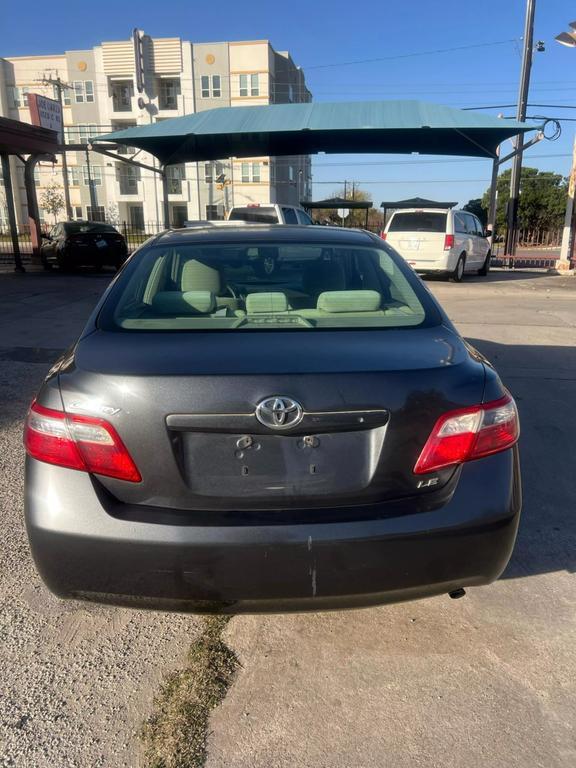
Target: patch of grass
(175, 735)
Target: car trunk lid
(185, 406)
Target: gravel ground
(77, 680)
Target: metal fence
(7, 248)
(539, 240)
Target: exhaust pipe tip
(457, 593)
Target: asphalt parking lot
(487, 681)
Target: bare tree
(52, 200)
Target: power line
(410, 55)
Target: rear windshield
(418, 221)
(271, 286)
(78, 226)
(259, 215)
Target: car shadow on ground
(543, 382)
(496, 276)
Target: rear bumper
(376, 555)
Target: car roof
(259, 233)
(423, 210)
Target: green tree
(542, 199)
(52, 200)
(475, 206)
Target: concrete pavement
(483, 682)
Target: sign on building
(46, 113)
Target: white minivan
(436, 240)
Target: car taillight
(77, 442)
(470, 433)
(383, 234)
(448, 242)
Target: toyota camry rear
(225, 439)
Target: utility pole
(568, 232)
(59, 86)
(91, 189)
(512, 214)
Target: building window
(96, 213)
(211, 86)
(243, 85)
(136, 216)
(18, 96)
(96, 174)
(213, 172)
(169, 90)
(254, 85)
(213, 212)
(128, 178)
(66, 95)
(74, 175)
(175, 174)
(83, 91)
(121, 149)
(77, 211)
(250, 172)
(179, 215)
(290, 93)
(122, 96)
(79, 134)
(290, 173)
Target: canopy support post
(165, 204)
(18, 266)
(32, 201)
(493, 196)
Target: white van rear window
(418, 221)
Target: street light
(568, 38)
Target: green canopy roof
(301, 129)
(415, 202)
(335, 203)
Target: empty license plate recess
(272, 466)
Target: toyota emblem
(279, 412)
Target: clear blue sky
(320, 33)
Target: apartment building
(141, 80)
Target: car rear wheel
(458, 272)
(486, 266)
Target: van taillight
(78, 442)
(448, 242)
(470, 433)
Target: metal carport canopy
(300, 129)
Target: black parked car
(223, 439)
(73, 244)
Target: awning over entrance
(18, 138)
(302, 129)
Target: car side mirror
(487, 233)
(44, 236)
